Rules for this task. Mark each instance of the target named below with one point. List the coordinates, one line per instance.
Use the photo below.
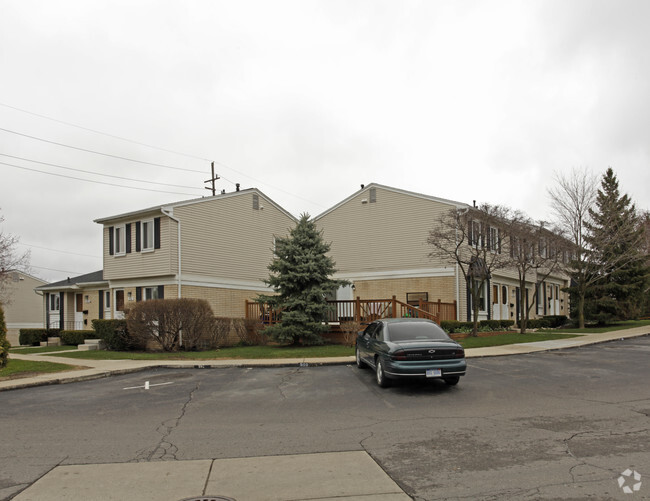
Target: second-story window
(147, 228)
(120, 240)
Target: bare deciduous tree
(534, 250)
(471, 238)
(571, 199)
(10, 260)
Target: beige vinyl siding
(143, 264)
(389, 234)
(23, 305)
(226, 238)
(23, 308)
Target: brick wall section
(224, 302)
(437, 287)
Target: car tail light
(399, 355)
(460, 353)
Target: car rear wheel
(452, 380)
(382, 380)
(360, 363)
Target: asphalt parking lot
(556, 425)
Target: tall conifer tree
(301, 274)
(615, 238)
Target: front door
(496, 302)
(505, 310)
(78, 312)
(119, 304)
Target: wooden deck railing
(365, 310)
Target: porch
(364, 311)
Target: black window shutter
(138, 293)
(47, 310)
(161, 292)
(61, 312)
(111, 237)
(127, 230)
(101, 304)
(156, 232)
(138, 244)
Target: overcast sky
(306, 100)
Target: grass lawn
(24, 368)
(237, 352)
(40, 349)
(511, 338)
(629, 324)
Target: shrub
(115, 334)
(75, 338)
(454, 326)
(538, 323)
(33, 337)
(350, 330)
(4, 344)
(491, 325)
(556, 321)
(506, 324)
(161, 321)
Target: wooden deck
(364, 310)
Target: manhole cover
(209, 498)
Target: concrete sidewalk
(94, 369)
(324, 476)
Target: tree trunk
(581, 308)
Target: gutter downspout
(179, 275)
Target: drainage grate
(208, 498)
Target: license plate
(434, 372)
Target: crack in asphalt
(166, 450)
(285, 379)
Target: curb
(103, 373)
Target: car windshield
(415, 331)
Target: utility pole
(212, 180)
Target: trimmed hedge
(454, 326)
(34, 337)
(75, 338)
(115, 334)
(556, 320)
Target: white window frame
(149, 293)
(55, 303)
(147, 235)
(119, 240)
(494, 235)
(107, 300)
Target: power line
(57, 250)
(103, 133)
(97, 182)
(99, 174)
(52, 269)
(99, 152)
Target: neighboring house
(215, 248)
(73, 303)
(23, 307)
(379, 237)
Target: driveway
(555, 425)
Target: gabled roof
(95, 277)
(459, 205)
(167, 207)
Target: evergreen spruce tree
(301, 276)
(4, 344)
(615, 238)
